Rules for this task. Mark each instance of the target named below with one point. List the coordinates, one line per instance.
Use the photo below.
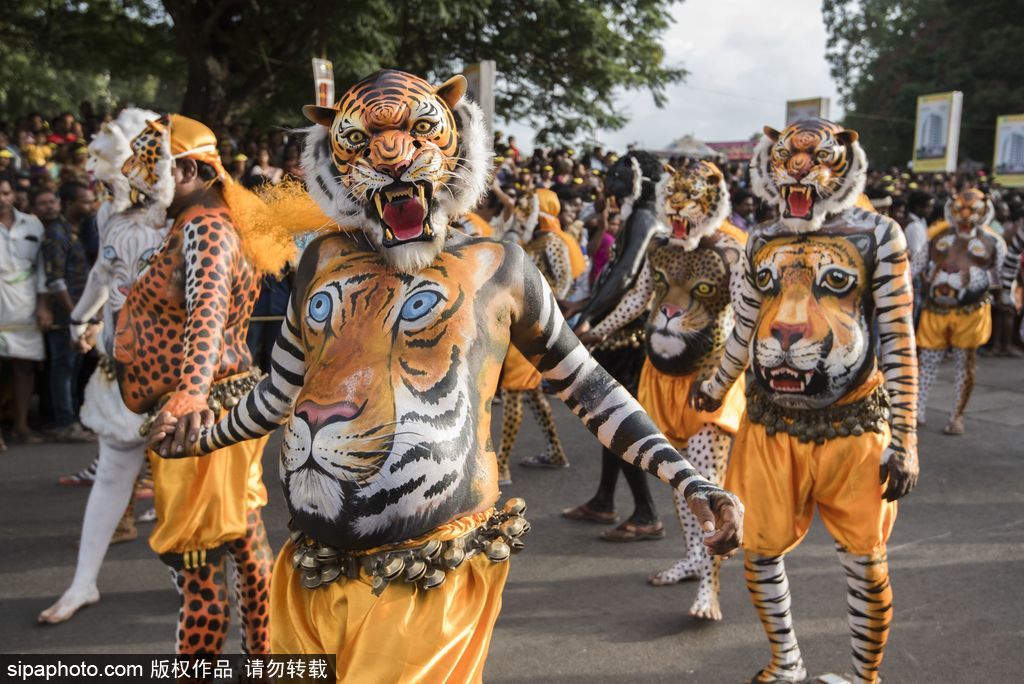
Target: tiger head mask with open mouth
(811, 169)
(398, 158)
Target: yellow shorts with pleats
(407, 634)
(666, 400)
(955, 329)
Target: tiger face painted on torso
(690, 315)
(812, 341)
(390, 434)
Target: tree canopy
(560, 62)
(885, 53)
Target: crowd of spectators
(43, 174)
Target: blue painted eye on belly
(320, 306)
(419, 305)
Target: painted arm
(94, 296)
(210, 248)
(556, 253)
(746, 302)
(617, 277)
(264, 408)
(632, 305)
(894, 305)
(995, 272)
(540, 332)
(1010, 266)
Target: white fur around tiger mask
(399, 159)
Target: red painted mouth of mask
(680, 228)
(799, 201)
(403, 210)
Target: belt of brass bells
(426, 565)
(870, 414)
(929, 305)
(225, 393)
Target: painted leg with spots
(928, 361)
(553, 454)
(966, 361)
(253, 561)
(203, 612)
(769, 590)
(869, 598)
(511, 419)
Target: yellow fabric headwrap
(548, 207)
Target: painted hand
(901, 469)
(701, 399)
(172, 437)
(719, 513)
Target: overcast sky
(745, 58)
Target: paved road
(578, 609)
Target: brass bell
(231, 401)
(215, 405)
(515, 506)
(517, 545)
(393, 567)
(431, 549)
(326, 553)
(454, 556)
(378, 585)
(296, 536)
(857, 430)
(432, 579)
(513, 528)
(330, 573)
(309, 561)
(297, 558)
(498, 551)
(311, 579)
(415, 570)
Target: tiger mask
(398, 159)
(811, 340)
(811, 170)
(969, 211)
(693, 202)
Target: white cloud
(745, 58)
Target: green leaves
(885, 53)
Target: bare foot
(680, 572)
(706, 606)
(955, 426)
(67, 605)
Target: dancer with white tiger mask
(129, 235)
(688, 283)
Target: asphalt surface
(577, 609)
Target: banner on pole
(937, 131)
(323, 81)
(481, 78)
(1008, 164)
(810, 108)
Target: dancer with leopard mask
(688, 282)
(384, 373)
(180, 348)
(827, 422)
(962, 274)
(129, 235)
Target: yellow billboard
(1008, 161)
(937, 132)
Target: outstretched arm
(894, 305)
(746, 300)
(633, 304)
(540, 332)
